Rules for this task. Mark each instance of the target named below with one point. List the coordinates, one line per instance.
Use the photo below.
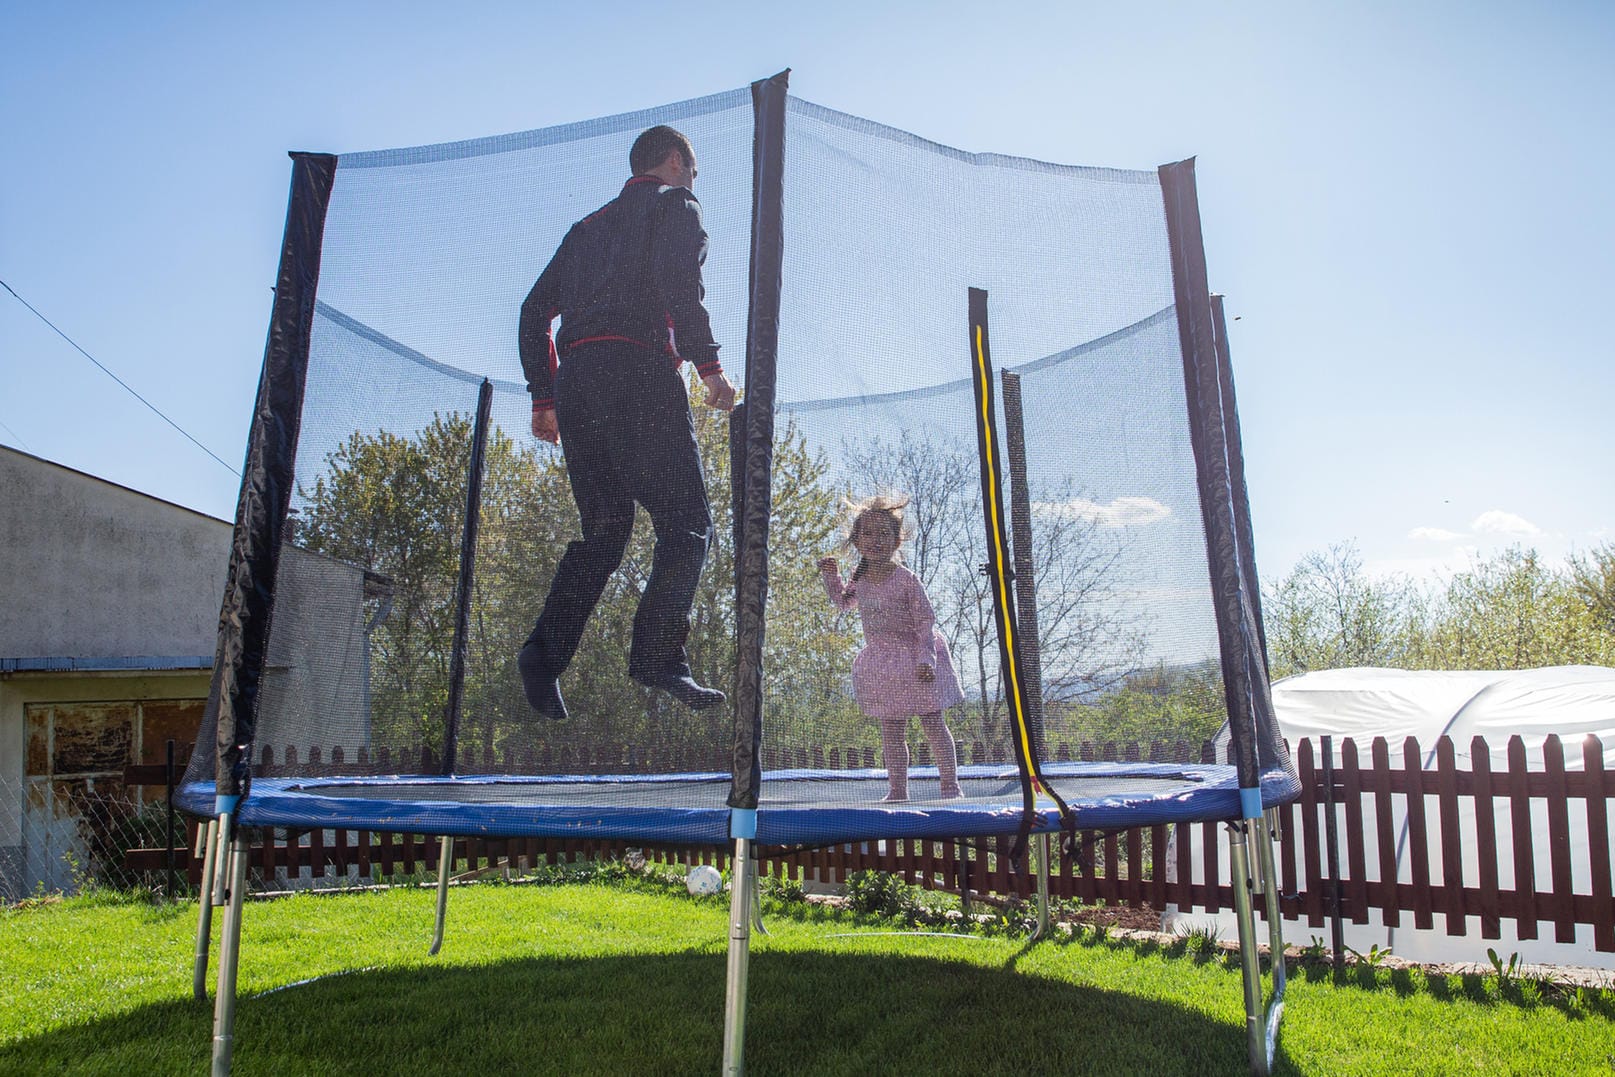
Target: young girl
(904, 669)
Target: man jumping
(626, 284)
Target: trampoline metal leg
(204, 912)
(1250, 961)
(445, 858)
(734, 1002)
(1042, 887)
(756, 900)
(224, 1005)
(1275, 929)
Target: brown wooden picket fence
(1127, 867)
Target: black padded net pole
(1270, 747)
(1000, 572)
(266, 481)
(1197, 336)
(756, 502)
(468, 576)
(1020, 525)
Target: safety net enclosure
(375, 684)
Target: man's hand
(720, 394)
(544, 428)
(926, 673)
(829, 564)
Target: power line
(117, 379)
(15, 435)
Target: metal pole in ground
(1249, 960)
(734, 1003)
(168, 824)
(204, 914)
(1042, 887)
(224, 1005)
(1275, 929)
(445, 857)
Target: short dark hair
(654, 144)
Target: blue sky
(1406, 205)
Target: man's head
(664, 153)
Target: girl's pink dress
(900, 633)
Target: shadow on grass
(808, 1014)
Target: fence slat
(1598, 842)
(1209, 857)
(1158, 848)
(1519, 793)
(1563, 902)
(1384, 834)
(1356, 857)
(1491, 924)
(1452, 857)
(1418, 834)
(1182, 890)
(1311, 850)
(1135, 867)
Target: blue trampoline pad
(797, 807)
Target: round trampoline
(1090, 573)
(798, 807)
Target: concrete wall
(104, 576)
(91, 569)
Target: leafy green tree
(1510, 612)
(1327, 613)
(1592, 575)
(1178, 708)
(395, 505)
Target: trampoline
(798, 807)
(1077, 515)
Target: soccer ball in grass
(704, 879)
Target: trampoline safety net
(369, 669)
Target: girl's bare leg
(940, 738)
(894, 749)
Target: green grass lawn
(626, 979)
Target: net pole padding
(737, 486)
(999, 574)
(267, 479)
(1020, 523)
(1270, 749)
(1236, 632)
(1236, 467)
(762, 353)
(468, 577)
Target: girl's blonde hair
(890, 506)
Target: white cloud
(1433, 534)
(1120, 512)
(1421, 569)
(1498, 522)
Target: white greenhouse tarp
(1364, 703)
